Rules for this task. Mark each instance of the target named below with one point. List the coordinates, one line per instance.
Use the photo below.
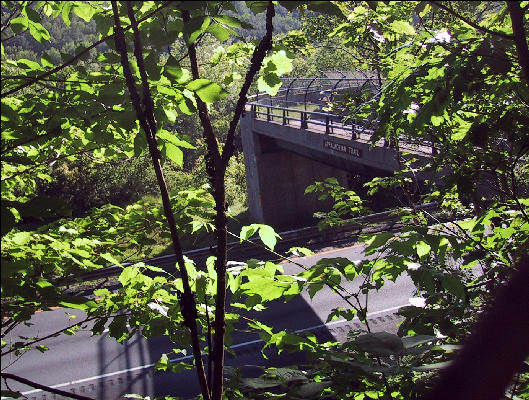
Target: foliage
(346, 203)
(478, 132)
(85, 107)
(455, 84)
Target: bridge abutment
(276, 180)
(287, 149)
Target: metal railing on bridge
(308, 103)
(304, 102)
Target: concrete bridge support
(282, 159)
(276, 180)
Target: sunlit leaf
(207, 91)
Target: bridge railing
(322, 121)
(301, 102)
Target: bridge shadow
(246, 347)
(134, 358)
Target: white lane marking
(107, 375)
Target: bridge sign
(352, 151)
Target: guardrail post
(254, 111)
(284, 116)
(327, 124)
(304, 120)
(353, 132)
(267, 114)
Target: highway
(99, 367)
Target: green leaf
(84, 10)
(377, 240)
(432, 367)
(247, 232)
(267, 289)
(274, 66)
(32, 15)
(172, 69)
(21, 238)
(43, 283)
(315, 287)
(259, 383)
(128, 274)
(174, 154)
(268, 236)
(110, 258)
(422, 249)
(220, 32)
(39, 33)
(402, 27)
(257, 6)
(66, 12)
(207, 91)
(118, 328)
(412, 341)
(19, 24)
(28, 64)
(325, 7)
(195, 27)
(380, 343)
(77, 302)
(287, 375)
(311, 390)
(99, 325)
(46, 61)
(453, 285)
(232, 21)
(300, 251)
(170, 113)
(282, 64)
(461, 131)
(151, 66)
(172, 138)
(269, 83)
(436, 120)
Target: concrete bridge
(292, 140)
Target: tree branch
(257, 59)
(471, 23)
(520, 36)
(50, 335)
(216, 164)
(49, 389)
(216, 171)
(15, 12)
(148, 124)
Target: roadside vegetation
(120, 142)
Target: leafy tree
(454, 77)
(53, 112)
(466, 95)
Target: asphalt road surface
(101, 368)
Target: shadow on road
(295, 314)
